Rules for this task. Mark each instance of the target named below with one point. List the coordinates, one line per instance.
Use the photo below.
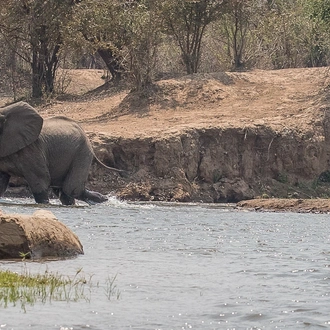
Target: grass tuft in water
(27, 289)
(111, 290)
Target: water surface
(186, 267)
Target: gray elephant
(54, 153)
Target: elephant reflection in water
(52, 152)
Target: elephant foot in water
(93, 197)
(88, 196)
(41, 198)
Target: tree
(292, 33)
(124, 33)
(102, 25)
(143, 36)
(318, 13)
(38, 26)
(236, 27)
(186, 21)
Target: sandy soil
(282, 98)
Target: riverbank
(222, 137)
(286, 205)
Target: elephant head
(20, 125)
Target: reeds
(111, 290)
(27, 289)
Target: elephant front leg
(41, 198)
(34, 168)
(4, 180)
(39, 186)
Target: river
(185, 266)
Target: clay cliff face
(224, 164)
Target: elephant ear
(20, 125)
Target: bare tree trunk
(37, 74)
(13, 72)
(111, 62)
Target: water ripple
(186, 267)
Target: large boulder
(36, 236)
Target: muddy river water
(186, 267)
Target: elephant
(48, 153)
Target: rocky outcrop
(217, 164)
(37, 236)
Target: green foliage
(27, 289)
(282, 177)
(293, 36)
(125, 35)
(264, 196)
(237, 28)
(143, 32)
(186, 21)
(319, 9)
(324, 177)
(139, 39)
(33, 30)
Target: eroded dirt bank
(223, 164)
(221, 137)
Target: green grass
(27, 289)
(111, 290)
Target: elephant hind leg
(66, 199)
(93, 197)
(74, 183)
(88, 196)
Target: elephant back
(66, 135)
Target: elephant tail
(108, 167)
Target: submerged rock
(36, 236)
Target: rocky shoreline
(286, 205)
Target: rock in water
(37, 236)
